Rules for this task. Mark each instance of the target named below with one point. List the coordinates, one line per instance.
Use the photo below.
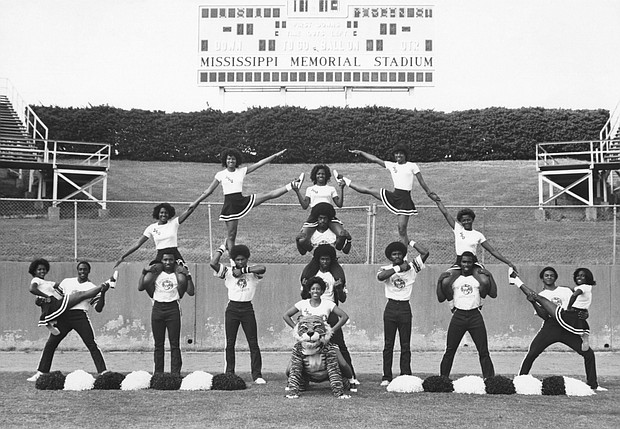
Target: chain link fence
(523, 234)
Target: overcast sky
(143, 54)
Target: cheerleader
(237, 205)
(552, 305)
(51, 298)
(466, 239)
(399, 201)
(164, 233)
(319, 193)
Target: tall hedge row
(493, 133)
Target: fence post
(368, 232)
(210, 232)
(372, 234)
(75, 230)
(484, 231)
(615, 236)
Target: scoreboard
(316, 44)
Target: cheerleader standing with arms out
(236, 205)
(399, 201)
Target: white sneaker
(343, 179)
(511, 279)
(301, 179)
(354, 384)
(338, 181)
(113, 279)
(39, 374)
(598, 389)
(260, 380)
(385, 383)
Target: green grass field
(501, 186)
(504, 195)
(267, 407)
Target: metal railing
(63, 152)
(586, 152)
(611, 127)
(35, 127)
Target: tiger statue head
(312, 332)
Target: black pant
(338, 339)
(167, 316)
(242, 313)
(396, 317)
(67, 322)
(552, 333)
(467, 321)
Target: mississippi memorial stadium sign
(316, 44)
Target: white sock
(289, 186)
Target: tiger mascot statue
(315, 359)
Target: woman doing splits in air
(237, 205)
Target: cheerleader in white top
(551, 298)
(315, 306)
(52, 300)
(79, 293)
(236, 205)
(164, 233)
(399, 278)
(581, 300)
(241, 280)
(324, 308)
(166, 292)
(44, 289)
(399, 201)
(466, 317)
(321, 192)
(466, 239)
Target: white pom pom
(406, 384)
(527, 385)
(471, 384)
(197, 380)
(136, 380)
(576, 387)
(79, 380)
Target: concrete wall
(124, 323)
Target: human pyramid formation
(465, 285)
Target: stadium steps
(14, 143)
(613, 154)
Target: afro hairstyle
(35, 264)
(464, 212)
(171, 211)
(316, 168)
(239, 249)
(232, 152)
(325, 250)
(325, 209)
(395, 246)
(401, 148)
